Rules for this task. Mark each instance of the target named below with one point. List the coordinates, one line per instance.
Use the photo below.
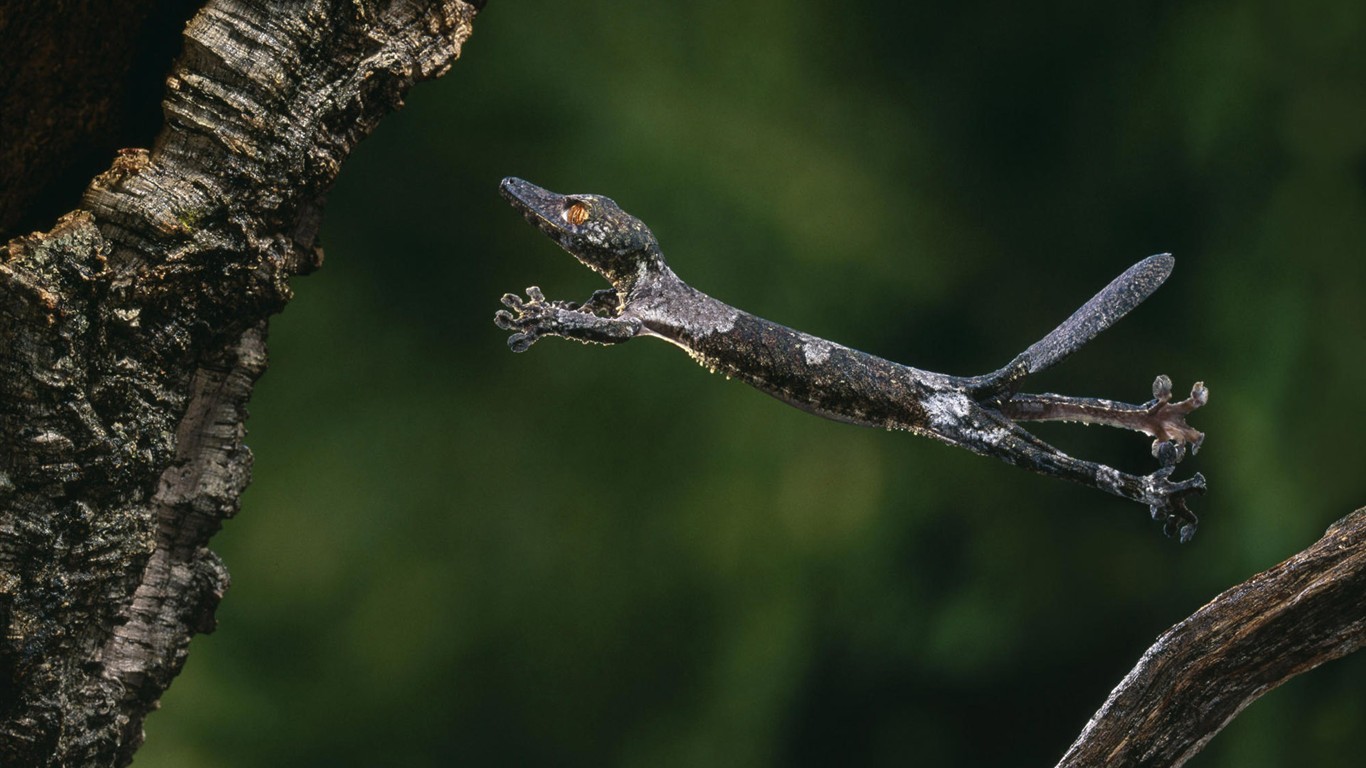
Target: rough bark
(1202, 672)
(131, 335)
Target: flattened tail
(1104, 309)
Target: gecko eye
(575, 213)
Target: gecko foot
(1166, 421)
(1167, 501)
(528, 319)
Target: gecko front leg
(536, 317)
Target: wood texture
(1202, 672)
(131, 334)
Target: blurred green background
(595, 556)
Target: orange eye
(576, 213)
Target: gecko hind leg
(1165, 498)
(1161, 418)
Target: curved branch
(1202, 672)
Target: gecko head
(593, 228)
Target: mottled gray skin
(831, 380)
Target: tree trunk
(132, 334)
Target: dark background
(592, 556)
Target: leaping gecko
(979, 413)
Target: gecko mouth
(540, 206)
(559, 217)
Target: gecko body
(981, 414)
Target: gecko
(979, 413)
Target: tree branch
(132, 334)
(1202, 672)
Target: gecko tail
(1102, 311)
(1105, 308)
